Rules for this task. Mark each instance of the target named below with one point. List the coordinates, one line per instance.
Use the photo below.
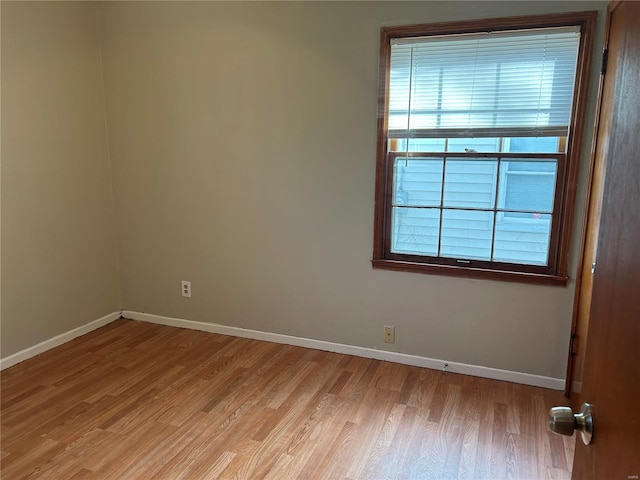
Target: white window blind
(483, 85)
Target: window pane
(527, 185)
(466, 234)
(417, 181)
(486, 145)
(418, 144)
(523, 240)
(415, 230)
(470, 183)
(427, 144)
(531, 144)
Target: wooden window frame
(556, 272)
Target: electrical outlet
(389, 334)
(186, 289)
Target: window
(478, 145)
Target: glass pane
(531, 144)
(485, 145)
(466, 234)
(417, 144)
(470, 183)
(523, 239)
(527, 186)
(417, 181)
(415, 230)
(427, 144)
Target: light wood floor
(143, 401)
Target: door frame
(590, 225)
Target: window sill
(521, 277)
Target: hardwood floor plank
(370, 425)
(215, 469)
(318, 435)
(469, 450)
(82, 474)
(379, 464)
(420, 464)
(289, 421)
(334, 463)
(20, 464)
(213, 436)
(342, 380)
(404, 437)
(428, 381)
(130, 456)
(286, 466)
(75, 454)
(412, 379)
(453, 433)
(134, 400)
(391, 376)
(498, 458)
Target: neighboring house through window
(478, 148)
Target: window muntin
(519, 144)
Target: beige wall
(242, 140)
(59, 262)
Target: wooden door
(611, 381)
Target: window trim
(556, 273)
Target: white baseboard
(57, 340)
(414, 360)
